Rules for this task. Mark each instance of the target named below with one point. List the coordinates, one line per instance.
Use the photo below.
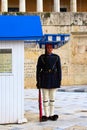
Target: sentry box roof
(20, 27)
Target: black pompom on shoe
(44, 118)
(53, 118)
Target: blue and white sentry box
(14, 30)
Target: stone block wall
(73, 54)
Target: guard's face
(49, 49)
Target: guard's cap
(49, 44)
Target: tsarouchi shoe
(53, 118)
(44, 118)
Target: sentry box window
(5, 60)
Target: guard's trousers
(48, 101)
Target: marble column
(39, 5)
(4, 5)
(56, 5)
(73, 5)
(22, 6)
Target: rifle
(40, 105)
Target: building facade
(73, 54)
(57, 16)
(43, 6)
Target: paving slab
(71, 106)
(76, 128)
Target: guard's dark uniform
(48, 72)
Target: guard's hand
(60, 83)
(37, 84)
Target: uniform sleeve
(59, 69)
(38, 68)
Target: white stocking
(48, 101)
(52, 100)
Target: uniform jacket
(48, 71)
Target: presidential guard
(48, 76)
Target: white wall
(12, 85)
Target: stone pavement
(70, 105)
(79, 88)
